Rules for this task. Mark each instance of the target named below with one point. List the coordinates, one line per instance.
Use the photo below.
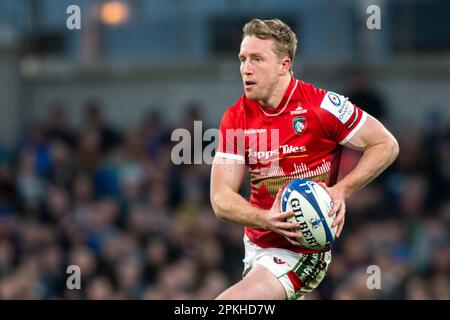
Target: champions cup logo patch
(334, 98)
(299, 124)
(338, 105)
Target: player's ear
(286, 64)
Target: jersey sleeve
(340, 118)
(231, 138)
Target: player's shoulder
(312, 93)
(234, 112)
(320, 98)
(237, 106)
(236, 109)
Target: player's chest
(292, 134)
(295, 127)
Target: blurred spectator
(93, 120)
(364, 96)
(57, 127)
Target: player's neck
(277, 93)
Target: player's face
(260, 67)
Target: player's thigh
(258, 284)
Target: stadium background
(85, 156)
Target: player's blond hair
(284, 38)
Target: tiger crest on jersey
(299, 124)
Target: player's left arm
(380, 149)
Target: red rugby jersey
(301, 138)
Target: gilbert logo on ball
(311, 205)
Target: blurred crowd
(139, 227)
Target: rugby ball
(311, 205)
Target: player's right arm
(229, 205)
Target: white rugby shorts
(299, 273)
